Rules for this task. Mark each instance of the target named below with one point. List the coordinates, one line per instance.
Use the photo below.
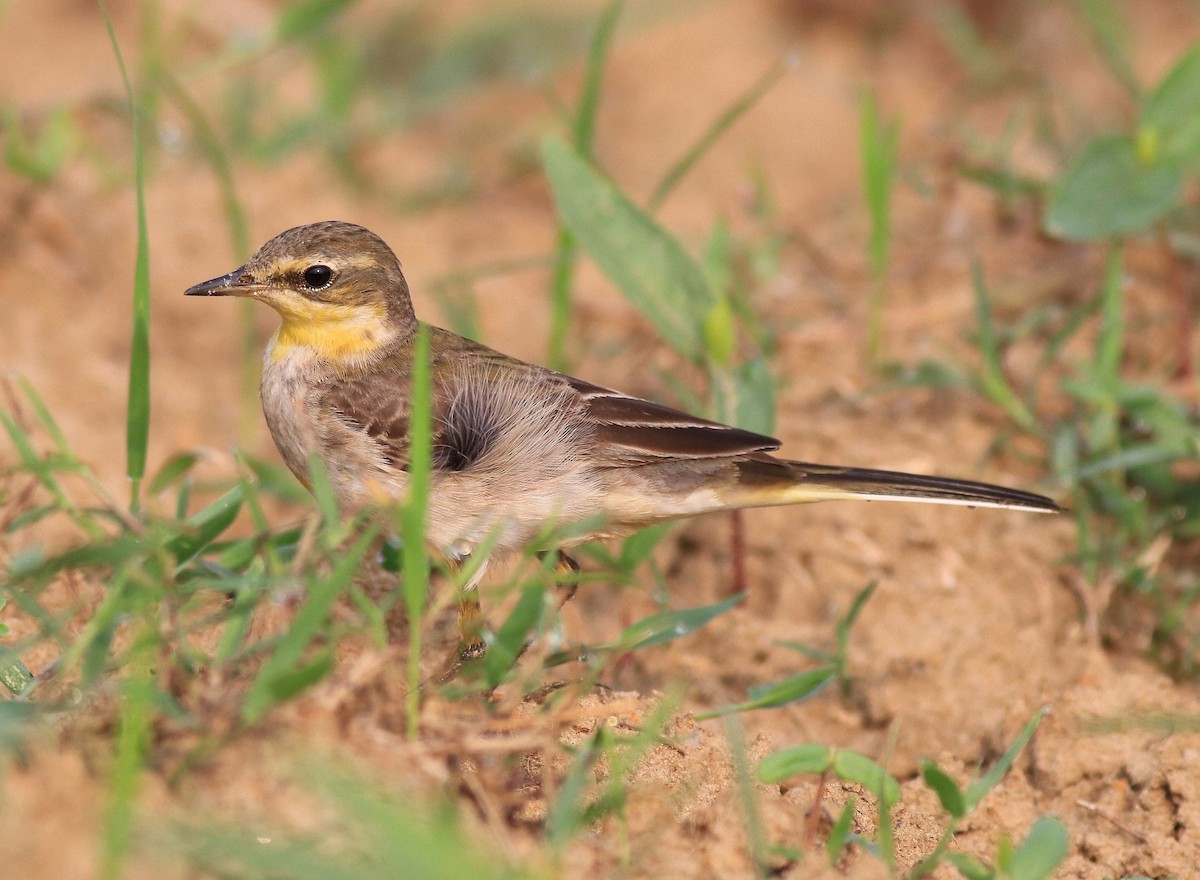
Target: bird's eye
(316, 277)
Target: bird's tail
(778, 481)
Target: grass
(195, 583)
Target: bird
(516, 447)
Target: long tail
(804, 481)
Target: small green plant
(1035, 859)
(1104, 418)
(39, 156)
(837, 660)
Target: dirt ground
(977, 620)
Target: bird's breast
(285, 390)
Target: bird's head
(337, 286)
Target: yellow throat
(331, 331)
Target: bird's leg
(471, 645)
(567, 583)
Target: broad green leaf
(667, 626)
(853, 767)
(1042, 851)
(811, 758)
(947, 790)
(1171, 115)
(644, 261)
(1109, 191)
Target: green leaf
(1108, 191)
(853, 767)
(992, 380)
(979, 788)
(173, 469)
(510, 638)
(840, 833)
(307, 625)
(39, 158)
(1043, 850)
(797, 687)
(947, 790)
(657, 629)
(1170, 116)
(811, 758)
(644, 261)
(206, 526)
(287, 683)
(970, 867)
(308, 18)
(16, 716)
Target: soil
(978, 620)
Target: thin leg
(470, 624)
(566, 568)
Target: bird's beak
(236, 283)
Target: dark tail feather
(896, 486)
(765, 477)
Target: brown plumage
(516, 446)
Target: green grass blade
(712, 134)
(1110, 347)
(206, 526)
(993, 381)
(589, 98)
(137, 425)
(583, 134)
(412, 517)
(133, 729)
(978, 789)
(279, 673)
(796, 687)
(1111, 34)
(667, 626)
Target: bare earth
(977, 621)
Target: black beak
(233, 284)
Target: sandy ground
(976, 622)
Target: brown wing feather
(625, 431)
(632, 431)
(381, 409)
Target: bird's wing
(480, 395)
(381, 409)
(631, 431)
